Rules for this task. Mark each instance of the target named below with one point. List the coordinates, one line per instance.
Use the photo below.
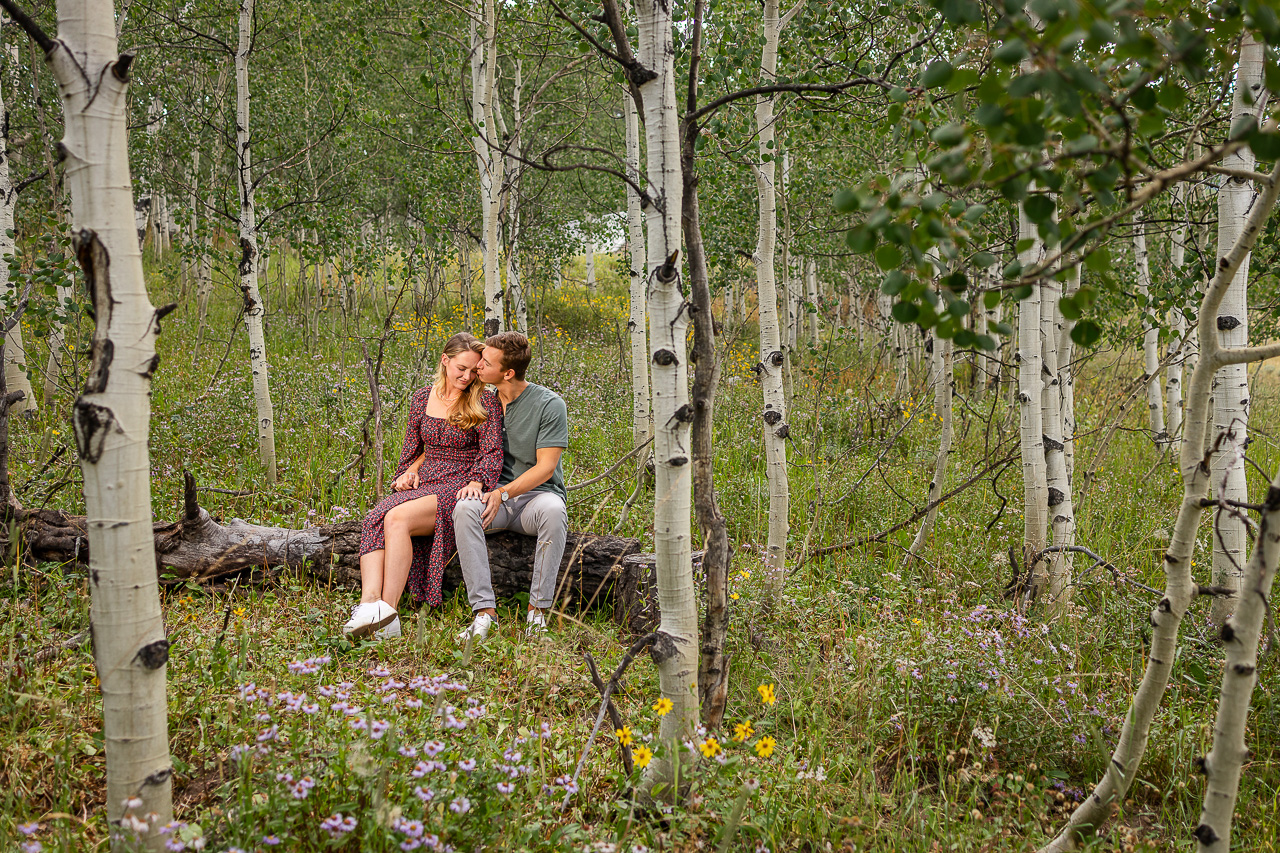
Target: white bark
(1029, 357)
(1231, 383)
(1057, 475)
(1177, 319)
(1150, 338)
(484, 59)
(253, 306)
(942, 371)
(773, 355)
(676, 654)
(1240, 635)
(811, 293)
(112, 415)
(511, 203)
(15, 352)
(589, 260)
(1066, 377)
(641, 427)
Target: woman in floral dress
(452, 450)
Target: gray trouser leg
(473, 553)
(541, 514)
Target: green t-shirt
(536, 419)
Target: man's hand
(471, 490)
(492, 503)
(406, 481)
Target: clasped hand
(406, 481)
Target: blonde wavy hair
(467, 411)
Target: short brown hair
(516, 353)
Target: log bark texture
(606, 572)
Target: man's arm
(548, 458)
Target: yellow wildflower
(663, 706)
(766, 694)
(642, 756)
(624, 735)
(709, 747)
(764, 746)
(742, 731)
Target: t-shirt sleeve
(553, 431)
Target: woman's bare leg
(371, 575)
(403, 521)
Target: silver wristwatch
(505, 497)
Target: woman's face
(460, 369)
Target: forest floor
(915, 710)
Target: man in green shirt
(530, 497)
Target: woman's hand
(472, 490)
(406, 481)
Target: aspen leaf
(1098, 260)
(1011, 52)
(937, 74)
(1243, 127)
(965, 338)
(986, 342)
(1086, 333)
(905, 312)
(991, 299)
(893, 283)
(846, 201)
(860, 240)
(1022, 292)
(982, 260)
(1000, 328)
(949, 134)
(888, 257)
(1039, 208)
(1266, 146)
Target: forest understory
(880, 706)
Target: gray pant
(540, 514)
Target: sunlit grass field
(913, 709)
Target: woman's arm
(411, 454)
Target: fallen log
(606, 572)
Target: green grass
(862, 653)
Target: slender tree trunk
(1035, 486)
(15, 352)
(942, 370)
(676, 652)
(1057, 474)
(515, 290)
(713, 669)
(589, 258)
(811, 291)
(641, 425)
(773, 355)
(1231, 384)
(1177, 318)
(253, 305)
(484, 59)
(1150, 338)
(111, 417)
(1180, 586)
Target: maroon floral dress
(453, 458)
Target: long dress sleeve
(413, 432)
(488, 464)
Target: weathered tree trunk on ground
(1150, 338)
(15, 352)
(254, 310)
(112, 415)
(1230, 433)
(773, 356)
(597, 571)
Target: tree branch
(38, 35)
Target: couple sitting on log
(473, 461)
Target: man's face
(490, 367)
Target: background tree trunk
(1150, 338)
(15, 352)
(641, 424)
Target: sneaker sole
(366, 630)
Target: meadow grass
(915, 709)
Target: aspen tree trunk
(1150, 338)
(942, 369)
(811, 290)
(773, 355)
(15, 353)
(991, 317)
(1177, 319)
(1231, 384)
(515, 290)
(253, 306)
(1240, 634)
(1029, 357)
(676, 651)
(113, 412)
(1180, 589)
(484, 59)
(1057, 475)
(641, 427)
(1066, 376)
(204, 285)
(589, 258)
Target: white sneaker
(369, 617)
(479, 628)
(390, 632)
(536, 623)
